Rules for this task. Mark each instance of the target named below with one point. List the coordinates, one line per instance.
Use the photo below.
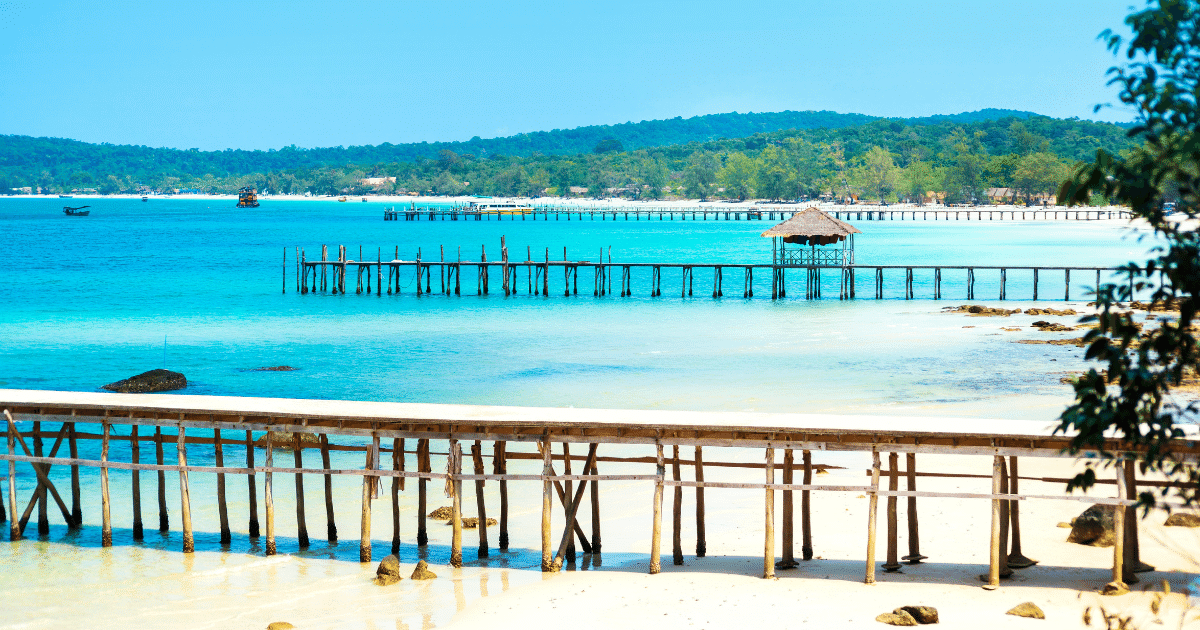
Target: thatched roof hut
(812, 227)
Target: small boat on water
(66, 196)
(76, 212)
(364, 200)
(247, 198)
(341, 198)
(145, 198)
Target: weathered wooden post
(563, 496)
(806, 548)
(14, 530)
(105, 514)
(268, 495)
(595, 488)
(480, 504)
(301, 525)
(701, 545)
(330, 523)
(892, 565)
(42, 500)
(222, 508)
(914, 544)
(993, 575)
(251, 483)
(676, 510)
(1016, 559)
(76, 506)
(135, 452)
(656, 534)
(1118, 573)
(769, 542)
(547, 501)
(185, 502)
(500, 467)
(788, 561)
(364, 540)
(397, 486)
(423, 465)
(872, 512)
(455, 469)
(163, 523)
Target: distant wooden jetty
(383, 429)
(743, 213)
(331, 275)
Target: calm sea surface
(194, 286)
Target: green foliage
(1132, 397)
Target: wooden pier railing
(332, 276)
(770, 213)
(376, 429)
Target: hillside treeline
(880, 159)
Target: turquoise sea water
(195, 286)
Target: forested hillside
(784, 155)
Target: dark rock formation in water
(149, 382)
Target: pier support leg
(456, 504)
(701, 545)
(301, 525)
(423, 465)
(397, 483)
(769, 537)
(43, 515)
(185, 501)
(872, 512)
(806, 548)
(893, 526)
(222, 507)
(1118, 586)
(500, 467)
(547, 502)
(595, 489)
(565, 495)
(480, 503)
(1016, 559)
(1133, 562)
(76, 506)
(105, 513)
(676, 511)
(993, 575)
(368, 493)
(14, 531)
(136, 457)
(788, 560)
(656, 532)
(163, 519)
(330, 523)
(250, 485)
(268, 495)
(914, 541)
(573, 511)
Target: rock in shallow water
(388, 571)
(422, 572)
(149, 382)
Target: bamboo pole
(185, 503)
(480, 504)
(105, 505)
(914, 542)
(222, 508)
(397, 464)
(455, 469)
(676, 510)
(135, 453)
(500, 467)
(656, 535)
(892, 565)
(547, 501)
(423, 465)
(268, 493)
(330, 521)
(993, 575)
(769, 538)
(301, 525)
(806, 548)
(701, 546)
(76, 506)
(368, 492)
(163, 519)
(788, 560)
(250, 485)
(872, 512)
(1016, 559)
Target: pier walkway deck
(200, 421)
(759, 213)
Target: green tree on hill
(878, 175)
(738, 175)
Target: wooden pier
(535, 435)
(771, 213)
(341, 274)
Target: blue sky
(258, 74)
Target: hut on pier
(819, 239)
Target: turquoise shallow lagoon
(194, 285)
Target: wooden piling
(14, 530)
(250, 485)
(872, 512)
(43, 515)
(676, 510)
(368, 492)
(76, 506)
(163, 522)
(268, 495)
(301, 524)
(500, 467)
(572, 511)
(806, 548)
(769, 538)
(423, 465)
(105, 513)
(547, 502)
(1005, 572)
(993, 575)
(185, 502)
(595, 489)
(1118, 571)
(656, 534)
(455, 469)
(222, 508)
(330, 523)
(1133, 555)
(1016, 559)
(136, 481)
(914, 543)
(564, 496)
(397, 464)
(788, 561)
(892, 565)
(480, 504)
(701, 545)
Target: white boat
(499, 207)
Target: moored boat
(247, 198)
(76, 212)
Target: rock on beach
(1182, 519)
(1029, 610)
(388, 572)
(149, 382)
(1094, 527)
(422, 572)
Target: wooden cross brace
(42, 471)
(573, 509)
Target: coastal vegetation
(729, 156)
